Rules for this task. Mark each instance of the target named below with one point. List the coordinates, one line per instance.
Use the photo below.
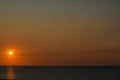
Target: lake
(60, 73)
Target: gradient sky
(60, 32)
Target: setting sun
(10, 53)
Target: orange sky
(60, 33)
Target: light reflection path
(10, 74)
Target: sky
(60, 32)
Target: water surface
(60, 73)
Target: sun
(10, 53)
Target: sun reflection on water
(10, 73)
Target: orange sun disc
(10, 53)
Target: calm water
(60, 73)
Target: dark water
(60, 73)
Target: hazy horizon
(59, 33)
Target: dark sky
(60, 32)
